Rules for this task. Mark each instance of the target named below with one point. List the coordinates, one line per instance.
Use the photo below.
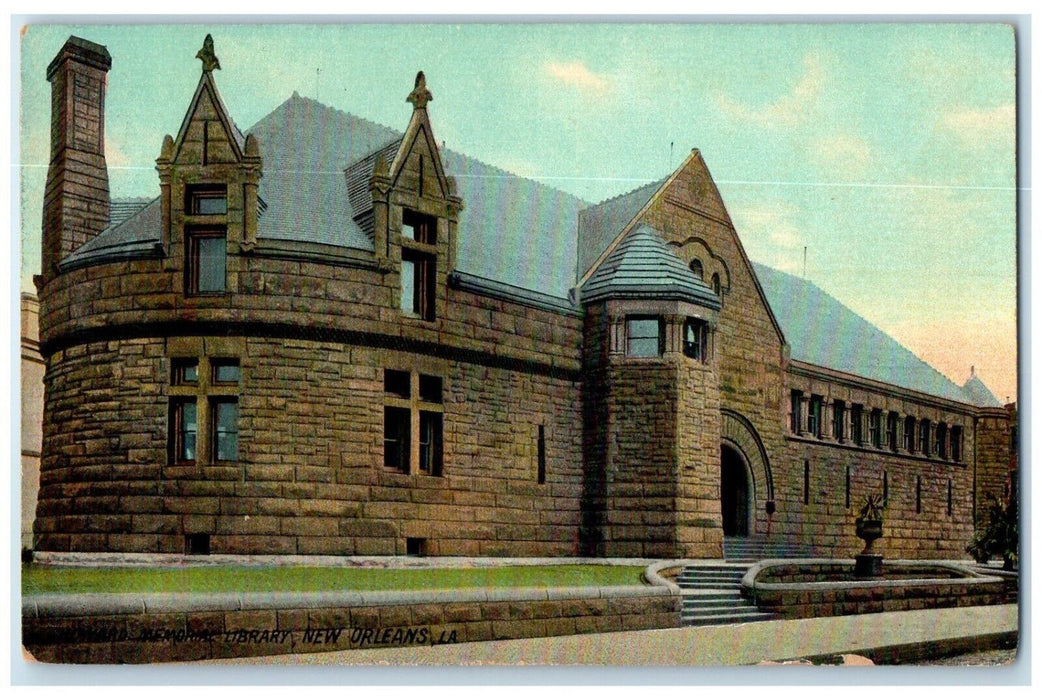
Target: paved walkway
(725, 645)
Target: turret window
(696, 339)
(645, 337)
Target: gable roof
(643, 267)
(822, 331)
(601, 223)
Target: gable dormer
(411, 212)
(208, 178)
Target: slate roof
(358, 194)
(643, 266)
(137, 235)
(601, 223)
(517, 235)
(978, 393)
(822, 331)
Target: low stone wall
(793, 599)
(147, 628)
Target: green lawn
(55, 579)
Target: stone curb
(969, 575)
(55, 605)
(102, 559)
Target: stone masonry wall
(309, 477)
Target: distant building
(326, 336)
(32, 413)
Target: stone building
(327, 336)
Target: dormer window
(418, 272)
(206, 200)
(419, 227)
(207, 252)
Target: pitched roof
(978, 393)
(512, 230)
(601, 223)
(358, 177)
(822, 331)
(644, 267)
(134, 236)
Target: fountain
(869, 527)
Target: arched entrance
(736, 492)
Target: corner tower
(651, 405)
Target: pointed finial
(420, 95)
(207, 56)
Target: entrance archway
(736, 491)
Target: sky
(877, 160)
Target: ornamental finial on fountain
(420, 95)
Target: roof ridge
(627, 193)
(515, 175)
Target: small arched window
(696, 267)
(716, 283)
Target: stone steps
(753, 549)
(712, 596)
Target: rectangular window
(796, 411)
(206, 199)
(397, 383)
(875, 428)
(418, 275)
(430, 443)
(886, 488)
(839, 417)
(225, 416)
(909, 434)
(956, 442)
(396, 438)
(949, 510)
(696, 339)
(806, 482)
(430, 389)
(225, 371)
(924, 436)
(891, 430)
(541, 456)
(846, 501)
(184, 428)
(185, 371)
(940, 441)
(814, 418)
(856, 412)
(918, 494)
(205, 268)
(419, 227)
(644, 337)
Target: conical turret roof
(643, 267)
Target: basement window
(197, 544)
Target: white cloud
(577, 75)
(771, 233)
(842, 155)
(981, 128)
(788, 110)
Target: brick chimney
(76, 200)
